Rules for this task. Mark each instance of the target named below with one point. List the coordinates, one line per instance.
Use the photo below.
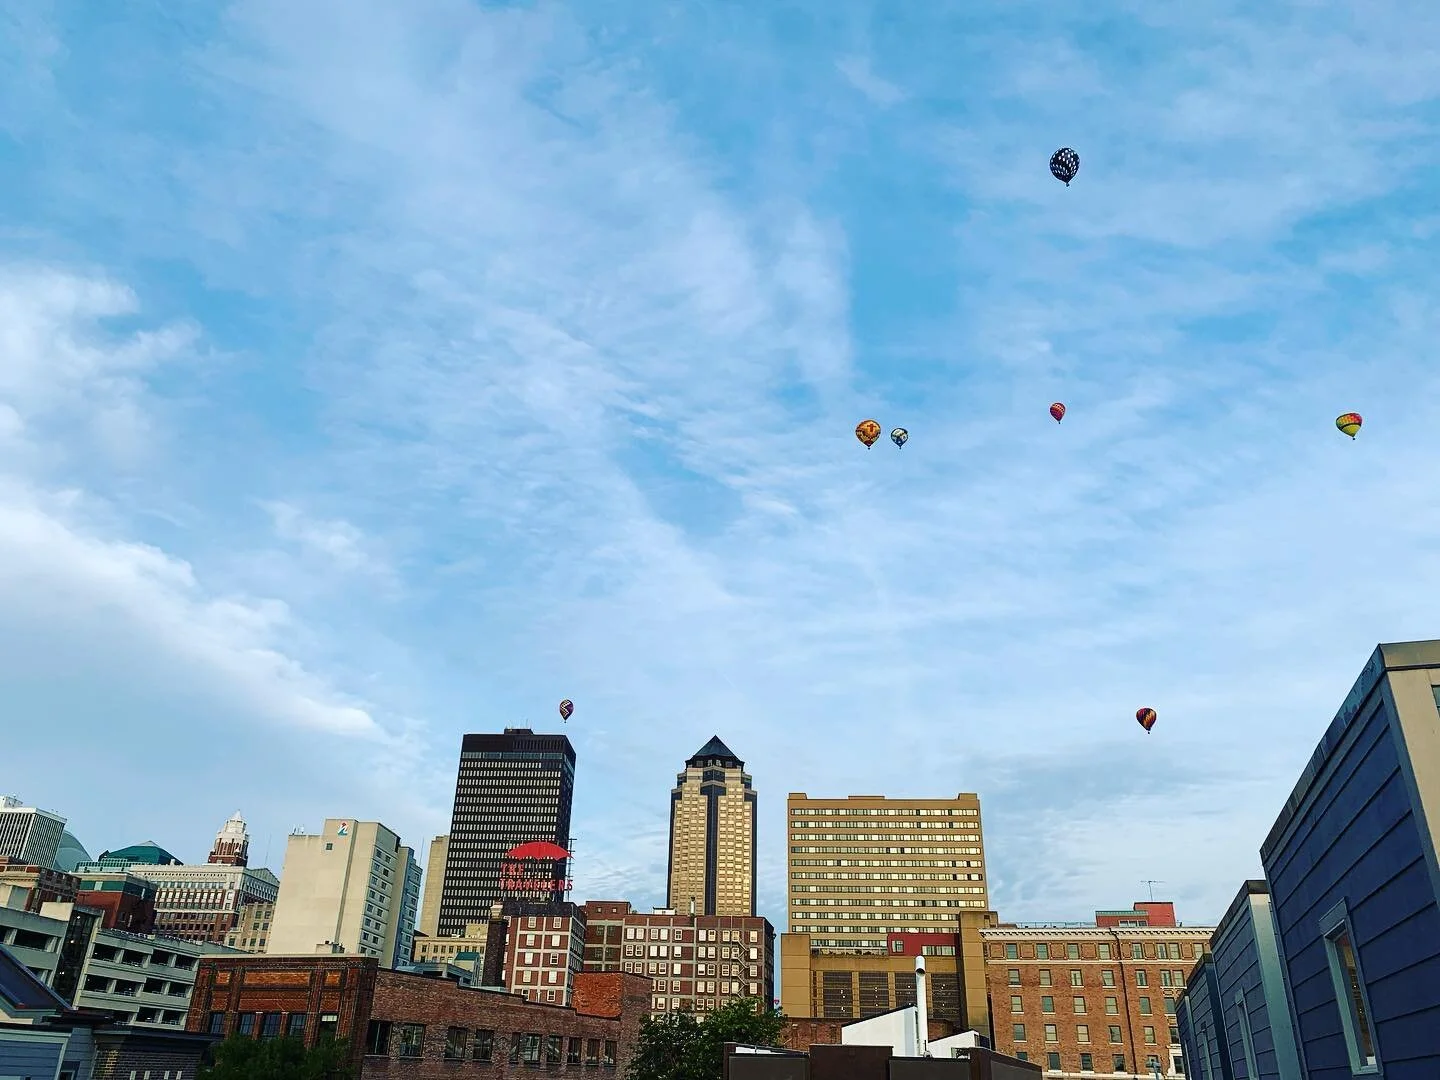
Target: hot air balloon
(899, 436)
(1146, 718)
(567, 707)
(1057, 411)
(1064, 164)
(867, 431)
(1349, 423)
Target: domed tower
(232, 843)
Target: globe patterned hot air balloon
(1146, 717)
(1349, 423)
(567, 707)
(1064, 164)
(899, 436)
(1057, 411)
(867, 431)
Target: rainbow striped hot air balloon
(1349, 423)
(1147, 718)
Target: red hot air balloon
(1057, 411)
(567, 707)
(1147, 718)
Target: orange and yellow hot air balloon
(1147, 719)
(1349, 423)
(867, 431)
(1057, 411)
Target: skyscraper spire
(232, 843)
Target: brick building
(405, 1025)
(127, 900)
(40, 885)
(544, 952)
(604, 934)
(698, 963)
(1084, 998)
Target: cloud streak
(480, 357)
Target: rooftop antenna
(1151, 885)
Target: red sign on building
(530, 867)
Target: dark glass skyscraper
(512, 789)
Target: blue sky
(373, 373)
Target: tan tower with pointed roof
(232, 843)
(712, 835)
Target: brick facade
(408, 1026)
(801, 1033)
(124, 1052)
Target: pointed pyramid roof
(715, 751)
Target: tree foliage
(243, 1058)
(678, 1046)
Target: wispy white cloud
(572, 345)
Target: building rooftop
(717, 752)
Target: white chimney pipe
(922, 1036)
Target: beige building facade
(345, 891)
(712, 835)
(434, 886)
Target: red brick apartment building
(1082, 999)
(409, 1026)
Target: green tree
(675, 1046)
(242, 1058)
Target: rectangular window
(327, 1026)
(1142, 978)
(217, 1023)
(1042, 951)
(1012, 951)
(1119, 1063)
(1047, 1004)
(412, 1041)
(246, 1026)
(1174, 1036)
(1247, 1037)
(1052, 1061)
(457, 1040)
(1072, 951)
(1087, 1062)
(1350, 993)
(295, 1026)
(1137, 951)
(554, 1049)
(1082, 1032)
(1076, 978)
(484, 1048)
(377, 1038)
(1019, 1033)
(1107, 977)
(1149, 1036)
(1144, 1006)
(1115, 1033)
(1044, 976)
(1105, 950)
(572, 1052)
(1014, 976)
(608, 1061)
(592, 1051)
(1021, 1055)
(1166, 979)
(1112, 1006)
(1078, 1005)
(1016, 1004)
(1050, 1034)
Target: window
(592, 1051)
(1082, 1032)
(1349, 990)
(1137, 951)
(1174, 1036)
(1112, 1006)
(1144, 1006)
(412, 1040)
(1016, 1004)
(1149, 1036)
(295, 1026)
(1119, 1063)
(1044, 976)
(572, 1052)
(1152, 1062)
(1047, 1004)
(1078, 1005)
(1115, 1033)
(325, 1029)
(1247, 1037)
(1142, 978)
(609, 1059)
(457, 1039)
(246, 1026)
(1042, 951)
(1166, 979)
(1107, 977)
(217, 1023)
(1014, 976)
(1021, 1055)
(1019, 1033)
(377, 1038)
(1072, 951)
(1050, 1035)
(515, 1047)
(1104, 950)
(270, 1026)
(1087, 1062)
(554, 1049)
(1012, 951)
(1052, 1061)
(484, 1046)
(1169, 1006)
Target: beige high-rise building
(864, 866)
(352, 889)
(434, 886)
(712, 835)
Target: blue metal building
(1354, 880)
(1201, 1022)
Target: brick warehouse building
(1081, 999)
(403, 1025)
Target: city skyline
(377, 373)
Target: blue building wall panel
(25, 1057)
(1237, 968)
(1355, 838)
(1202, 1028)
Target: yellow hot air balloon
(867, 431)
(1349, 423)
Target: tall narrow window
(1349, 990)
(1247, 1037)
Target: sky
(375, 373)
